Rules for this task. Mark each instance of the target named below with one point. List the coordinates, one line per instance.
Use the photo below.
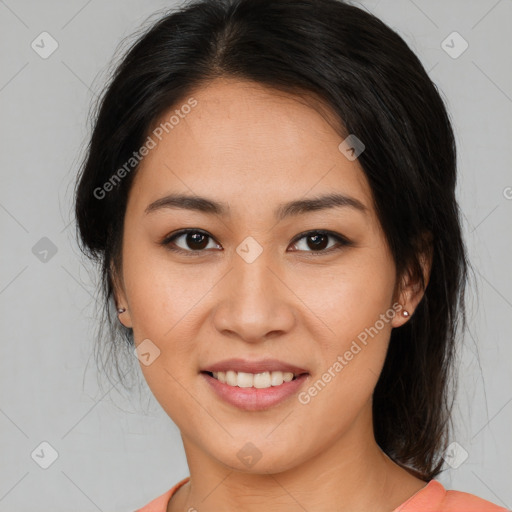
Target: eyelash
(342, 241)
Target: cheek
(354, 304)
(161, 299)
(350, 297)
(359, 316)
(164, 301)
(159, 292)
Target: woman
(270, 192)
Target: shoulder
(462, 501)
(434, 498)
(160, 503)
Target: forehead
(248, 145)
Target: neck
(351, 474)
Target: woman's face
(253, 284)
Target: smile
(257, 380)
(254, 392)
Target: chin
(259, 458)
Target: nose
(255, 303)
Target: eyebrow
(292, 208)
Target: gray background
(117, 451)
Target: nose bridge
(254, 302)
(252, 264)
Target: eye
(318, 239)
(197, 241)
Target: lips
(259, 366)
(259, 396)
(252, 399)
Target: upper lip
(258, 366)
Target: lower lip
(255, 399)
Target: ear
(410, 289)
(120, 297)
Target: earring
(121, 310)
(405, 313)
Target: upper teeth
(257, 380)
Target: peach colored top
(432, 498)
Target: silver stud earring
(405, 313)
(121, 310)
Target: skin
(254, 148)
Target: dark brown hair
(377, 87)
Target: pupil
(317, 245)
(194, 239)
